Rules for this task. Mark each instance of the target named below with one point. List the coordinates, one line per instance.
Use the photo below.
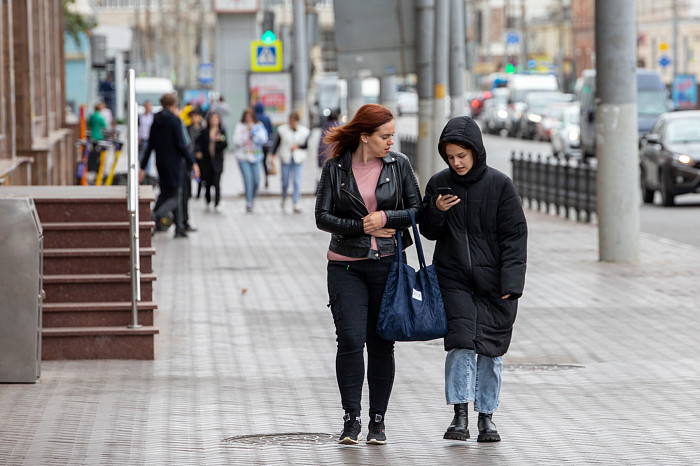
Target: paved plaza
(603, 368)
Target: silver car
(566, 137)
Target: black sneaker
(375, 434)
(351, 434)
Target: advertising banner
(274, 90)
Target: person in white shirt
(291, 146)
(145, 122)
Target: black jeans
(355, 291)
(169, 201)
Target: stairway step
(84, 203)
(102, 314)
(94, 260)
(98, 343)
(95, 288)
(94, 234)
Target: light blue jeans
(295, 171)
(251, 179)
(473, 378)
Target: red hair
(368, 118)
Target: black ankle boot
(458, 428)
(487, 429)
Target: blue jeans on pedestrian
(473, 378)
(355, 291)
(251, 179)
(294, 170)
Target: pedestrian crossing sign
(265, 57)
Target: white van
(152, 89)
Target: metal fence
(564, 185)
(408, 145)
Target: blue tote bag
(412, 308)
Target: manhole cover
(296, 438)
(541, 367)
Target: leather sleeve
(326, 220)
(399, 219)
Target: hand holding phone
(447, 199)
(445, 191)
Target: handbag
(412, 308)
(271, 166)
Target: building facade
(37, 146)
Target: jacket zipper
(393, 170)
(357, 199)
(471, 273)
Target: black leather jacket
(340, 208)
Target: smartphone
(445, 191)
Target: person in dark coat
(210, 146)
(363, 196)
(167, 138)
(480, 259)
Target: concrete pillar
(616, 131)
(355, 100)
(457, 57)
(426, 150)
(119, 80)
(301, 62)
(441, 54)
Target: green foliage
(75, 23)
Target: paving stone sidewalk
(603, 368)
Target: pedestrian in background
(480, 259)
(248, 139)
(145, 120)
(265, 120)
(211, 143)
(194, 129)
(98, 127)
(323, 151)
(290, 147)
(167, 138)
(363, 192)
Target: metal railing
(408, 145)
(133, 201)
(563, 185)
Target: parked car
(519, 86)
(535, 103)
(566, 137)
(551, 118)
(475, 101)
(670, 157)
(494, 116)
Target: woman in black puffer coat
(480, 258)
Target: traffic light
(510, 68)
(268, 37)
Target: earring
(365, 141)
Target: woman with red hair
(363, 193)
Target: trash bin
(21, 293)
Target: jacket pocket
(334, 306)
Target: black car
(670, 157)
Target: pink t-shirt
(367, 176)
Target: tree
(75, 23)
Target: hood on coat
(464, 131)
(259, 108)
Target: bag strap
(416, 235)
